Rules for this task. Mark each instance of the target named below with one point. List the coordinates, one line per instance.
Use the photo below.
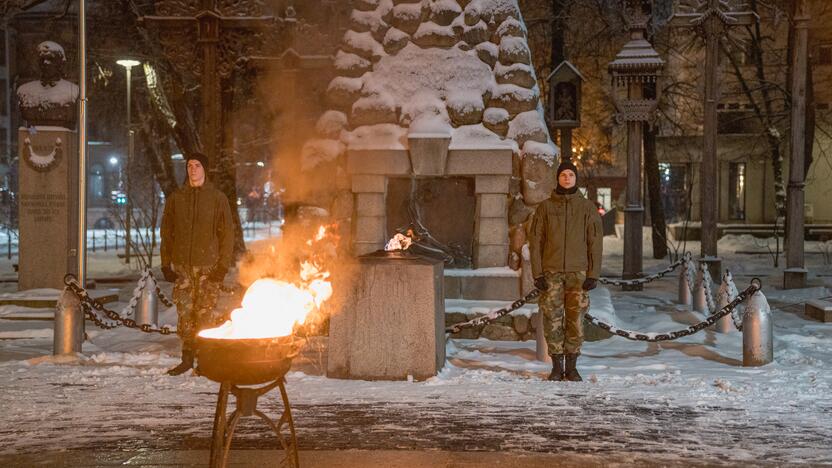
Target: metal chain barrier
(647, 279)
(690, 270)
(93, 309)
(161, 295)
(736, 314)
(707, 283)
(665, 336)
(730, 308)
(130, 308)
(494, 315)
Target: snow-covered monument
(435, 113)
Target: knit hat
(567, 164)
(197, 156)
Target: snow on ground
(677, 402)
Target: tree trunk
(154, 136)
(810, 119)
(809, 140)
(651, 173)
(227, 168)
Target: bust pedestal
(47, 206)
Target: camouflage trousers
(195, 297)
(563, 307)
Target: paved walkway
(340, 459)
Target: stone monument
(48, 169)
(392, 323)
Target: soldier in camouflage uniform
(566, 242)
(197, 247)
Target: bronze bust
(51, 99)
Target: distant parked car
(104, 223)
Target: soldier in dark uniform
(197, 251)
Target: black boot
(186, 364)
(572, 374)
(557, 368)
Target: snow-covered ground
(684, 401)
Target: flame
(272, 307)
(398, 242)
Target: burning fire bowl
(246, 361)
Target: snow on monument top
(436, 66)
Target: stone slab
(493, 205)
(492, 184)
(43, 301)
(392, 322)
(492, 231)
(363, 248)
(479, 162)
(453, 287)
(484, 288)
(369, 204)
(487, 256)
(370, 229)
(369, 183)
(429, 154)
(378, 162)
(819, 310)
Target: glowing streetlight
(128, 65)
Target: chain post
(68, 328)
(685, 297)
(147, 312)
(757, 334)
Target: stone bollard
(727, 293)
(757, 335)
(147, 310)
(685, 287)
(68, 329)
(700, 301)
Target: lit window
(736, 191)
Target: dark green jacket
(197, 229)
(566, 235)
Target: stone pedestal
(392, 322)
(48, 207)
(794, 278)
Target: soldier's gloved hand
(169, 274)
(217, 274)
(541, 283)
(590, 284)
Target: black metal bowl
(246, 361)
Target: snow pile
(438, 65)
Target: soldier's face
(196, 173)
(566, 179)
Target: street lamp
(634, 71)
(128, 65)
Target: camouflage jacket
(566, 235)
